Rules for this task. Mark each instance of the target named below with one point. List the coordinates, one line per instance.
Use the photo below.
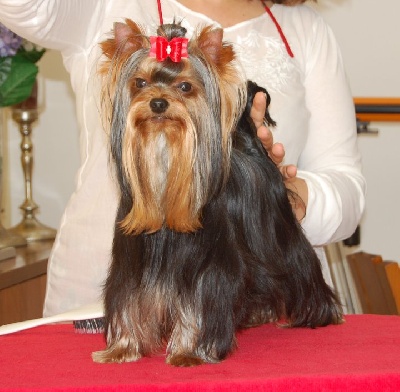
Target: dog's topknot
(172, 30)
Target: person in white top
(284, 46)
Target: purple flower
(9, 42)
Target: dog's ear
(128, 38)
(211, 44)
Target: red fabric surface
(361, 355)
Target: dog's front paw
(184, 360)
(117, 353)
(106, 356)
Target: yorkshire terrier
(206, 242)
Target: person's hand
(275, 151)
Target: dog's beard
(168, 165)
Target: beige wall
(368, 33)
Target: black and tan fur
(205, 240)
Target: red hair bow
(174, 49)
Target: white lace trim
(266, 60)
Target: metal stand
(7, 239)
(29, 228)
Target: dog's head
(173, 104)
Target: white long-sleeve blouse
(311, 103)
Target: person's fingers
(288, 171)
(258, 109)
(265, 136)
(277, 153)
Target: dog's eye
(140, 83)
(185, 86)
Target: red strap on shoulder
(278, 27)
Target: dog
(206, 242)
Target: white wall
(369, 34)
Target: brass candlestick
(29, 228)
(7, 239)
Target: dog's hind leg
(309, 301)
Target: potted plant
(18, 69)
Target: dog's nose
(159, 105)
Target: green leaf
(16, 80)
(32, 56)
(5, 68)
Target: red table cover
(361, 355)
